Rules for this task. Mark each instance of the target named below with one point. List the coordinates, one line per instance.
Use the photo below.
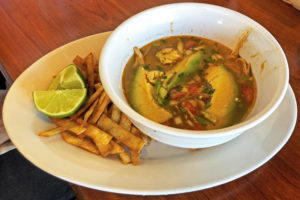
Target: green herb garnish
(207, 105)
(160, 68)
(178, 88)
(183, 40)
(181, 75)
(209, 60)
(203, 51)
(208, 89)
(157, 88)
(203, 121)
(213, 51)
(146, 67)
(164, 41)
(184, 110)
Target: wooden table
(30, 29)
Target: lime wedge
(59, 103)
(69, 78)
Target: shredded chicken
(180, 46)
(178, 120)
(197, 48)
(188, 52)
(210, 117)
(139, 57)
(192, 116)
(189, 122)
(239, 44)
(246, 66)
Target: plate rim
(149, 192)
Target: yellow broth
(195, 83)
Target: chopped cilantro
(183, 40)
(146, 67)
(213, 51)
(178, 88)
(203, 121)
(166, 100)
(203, 51)
(184, 110)
(210, 60)
(163, 101)
(207, 105)
(164, 77)
(157, 88)
(208, 89)
(181, 75)
(160, 68)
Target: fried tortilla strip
(130, 140)
(89, 112)
(96, 134)
(141, 135)
(125, 122)
(116, 148)
(90, 72)
(96, 68)
(84, 143)
(103, 149)
(115, 113)
(70, 125)
(100, 108)
(97, 86)
(124, 157)
(135, 157)
(111, 148)
(80, 63)
(52, 131)
(97, 77)
(92, 98)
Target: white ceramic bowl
(261, 49)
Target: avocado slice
(185, 69)
(142, 100)
(223, 102)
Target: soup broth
(190, 83)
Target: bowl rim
(227, 131)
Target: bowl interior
(265, 55)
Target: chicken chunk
(153, 76)
(168, 56)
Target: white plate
(164, 169)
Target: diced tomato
(177, 95)
(190, 44)
(193, 87)
(198, 127)
(167, 123)
(194, 90)
(187, 105)
(248, 93)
